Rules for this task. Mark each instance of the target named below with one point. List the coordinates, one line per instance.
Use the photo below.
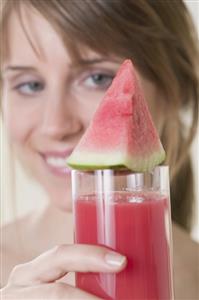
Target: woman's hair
(160, 39)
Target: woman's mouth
(56, 163)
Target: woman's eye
(98, 81)
(30, 88)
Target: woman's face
(48, 100)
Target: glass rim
(121, 171)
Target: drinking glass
(130, 213)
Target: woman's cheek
(17, 122)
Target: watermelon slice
(121, 133)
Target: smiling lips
(56, 162)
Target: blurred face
(48, 100)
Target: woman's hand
(37, 279)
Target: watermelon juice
(135, 224)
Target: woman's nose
(60, 120)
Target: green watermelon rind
(116, 160)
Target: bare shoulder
(28, 237)
(10, 232)
(186, 265)
(10, 248)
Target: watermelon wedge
(121, 133)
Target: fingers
(47, 291)
(57, 262)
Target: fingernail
(115, 259)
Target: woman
(59, 57)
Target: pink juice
(136, 225)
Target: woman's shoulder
(27, 237)
(10, 245)
(186, 268)
(10, 232)
(184, 246)
(182, 235)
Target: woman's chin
(65, 207)
(61, 201)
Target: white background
(29, 195)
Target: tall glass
(130, 213)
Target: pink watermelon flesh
(121, 133)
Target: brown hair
(160, 39)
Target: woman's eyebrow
(93, 61)
(18, 68)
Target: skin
(47, 105)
